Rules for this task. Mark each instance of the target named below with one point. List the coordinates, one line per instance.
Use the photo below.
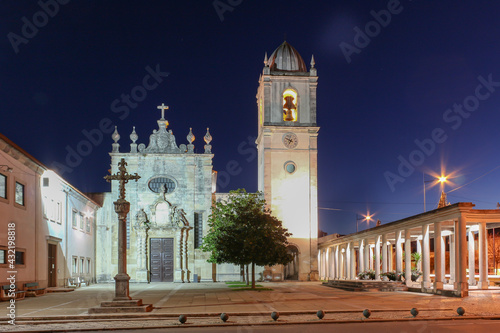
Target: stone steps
(355, 285)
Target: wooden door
(162, 259)
(52, 278)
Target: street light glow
(442, 179)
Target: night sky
(420, 86)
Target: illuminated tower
(287, 150)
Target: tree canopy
(243, 232)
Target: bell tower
(287, 153)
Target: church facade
(171, 202)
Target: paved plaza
(203, 303)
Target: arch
(290, 100)
(291, 270)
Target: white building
(50, 248)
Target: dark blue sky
(67, 75)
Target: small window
(19, 257)
(89, 266)
(75, 219)
(82, 260)
(58, 212)
(80, 219)
(19, 194)
(45, 181)
(290, 167)
(3, 254)
(198, 230)
(87, 224)
(3, 186)
(290, 105)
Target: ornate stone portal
(166, 219)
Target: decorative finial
(312, 61)
(134, 136)
(115, 136)
(190, 137)
(208, 137)
(265, 60)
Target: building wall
(44, 219)
(24, 217)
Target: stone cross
(122, 207)
(162, 107)
(122, 176)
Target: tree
(243, 232)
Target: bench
(5, 291)
(32, 289)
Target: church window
(290, 105)
(290, 167)
(198, 230)
(160, 184)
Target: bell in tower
(289, 108)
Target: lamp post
(366, 217)
(441, 179)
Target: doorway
(162, 259)
(52, 269)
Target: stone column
(426, 260)
(399, 253)
(452, 259)
(419, 251)
(377, 258)
(332, 263)
(483, 256)
(337, 263)
(370, 257)
(122, 208)
(472, 257)
(361, 260)
(384, 253)
(443, 257)
(390, 252)
(180, 266)
(438, 268)
(348, 261)
(408, 257)
(186, 256)
(367, 254)
(461, 286)
(344, 264)
(352, 273)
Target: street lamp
(441, 179)
(366, 217)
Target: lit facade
(287, 155)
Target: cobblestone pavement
(203, 303)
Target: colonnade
(388, 247)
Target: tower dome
(286, 58)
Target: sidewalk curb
(279, 322)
